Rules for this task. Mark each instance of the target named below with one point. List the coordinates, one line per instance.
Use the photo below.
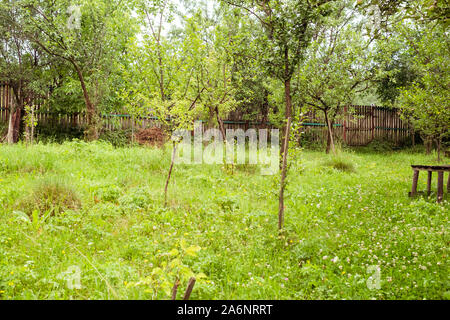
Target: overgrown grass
(219, 226)
(50, 195)
(340, 163)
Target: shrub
(117, 137)
(310, 141)
(382, 145)
(52, 132)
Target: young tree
(286, 32)
(337, 66)
(165, 70)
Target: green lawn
(96, 211)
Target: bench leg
(430, 174)
(414, 184)
(440, 192)
(448, 183)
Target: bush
(57, 133)
(118, 138)
(381, 145)
(308, 140)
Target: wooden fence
(354, 126)
(5, 102)
(360, 125)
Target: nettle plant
(172, 271)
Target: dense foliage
(266, 60)
(87, 219)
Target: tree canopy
(264, 60)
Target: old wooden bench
(430, 169)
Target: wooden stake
(189, 288)
(170, 172)
(175, 289)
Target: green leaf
(192, 250)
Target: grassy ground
(87, 221)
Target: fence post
(345, 124)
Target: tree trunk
(170, 172)
(211, 117)
(15, 117)
(161, 73)
(132, 129)
(285, 146)
(283, 177)
(92, 117)
(288, 101)
(328, 148)
(265, 111)
(10, 134)
(220, 121)
(330, 139)
(428, 145)
(439, 145)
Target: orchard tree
(219, 75)
(398, 73)
(23, 67)
(90, 36)
(420, 10)
(337, 67)
(425, 103)
(252, 86)
(286, 31)
(164, 71)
